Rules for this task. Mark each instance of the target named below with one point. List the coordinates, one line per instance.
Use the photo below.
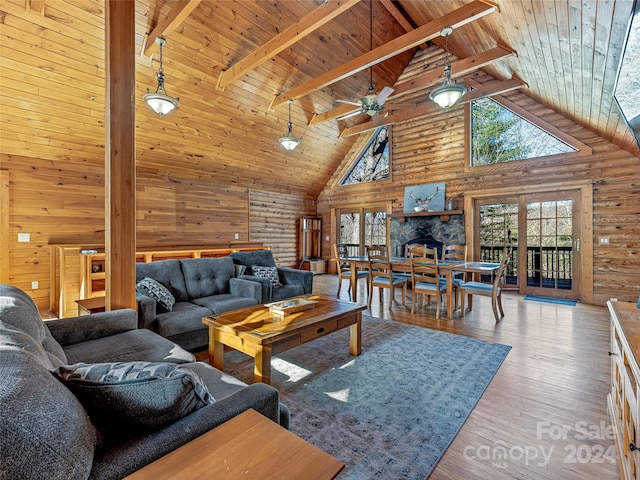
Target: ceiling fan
(371, 103)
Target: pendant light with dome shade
(159, 101)
(289, 142)
(448, 93)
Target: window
(499, 135)
(362, 226)
(372, 163)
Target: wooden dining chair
(382, 276)
(425, 277)
(493, 290)
(344, 271)
(455, 253)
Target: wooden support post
(120, 154)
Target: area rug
(391, 412)
(558, 301)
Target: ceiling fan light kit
(448, 93)
(289, 142)
(159, 101)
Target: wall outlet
(35, 285)
(604, 240)
(327, 238)
(237, 236)
(24, 237)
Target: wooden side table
(249, 446)
(91, 305)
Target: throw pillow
(267, 272)
(126, 399)
(154, 289)
(240, 269)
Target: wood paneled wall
(59, 202)
(431, 149)
(275, 221)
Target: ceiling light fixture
(160, 102)
(449, 93)
(289, 142)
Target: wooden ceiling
(53, 76)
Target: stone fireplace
(427, 229)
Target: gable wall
(430, 149)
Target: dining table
(403, 264)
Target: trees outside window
(373, 163)
(498, 135)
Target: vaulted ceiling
(565, 52)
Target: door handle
(577, 244)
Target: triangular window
(372, 163)
(500, 135)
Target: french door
(543, 231)
(362, 226)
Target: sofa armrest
(146, 311)
(72, 330)
(245, 288)
(124, 459)
(292, 276)
(265, 283)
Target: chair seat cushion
(477, 287)
(359, 273)
(425, 286)
(385, 281)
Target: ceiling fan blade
(383, 95)
(349, 103)
(349, 115)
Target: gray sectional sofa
(292, 282)
(200, 287)
(46, 432)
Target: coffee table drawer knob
(318, 331)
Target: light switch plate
(24, 237)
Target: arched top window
(499, 135)
(372, 164)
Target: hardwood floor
(544, 415)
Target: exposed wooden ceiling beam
(400, 18)
(169, 23)
(493, 88)
(324, 13)
(459, 68)
(455, 19)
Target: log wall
(430, 149)
(59, 202)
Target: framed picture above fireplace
(424, 198)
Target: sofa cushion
(41, 419)
(141, 344)
(225, 302)
(286, 291)
(267, 272)
(186, 316)
(154, 289)
(168, 273)
(126, 399)
(256, 257)
(18, 309)
(207, 276)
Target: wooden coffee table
(248, 446)
(259, 333)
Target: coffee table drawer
(318, 331)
